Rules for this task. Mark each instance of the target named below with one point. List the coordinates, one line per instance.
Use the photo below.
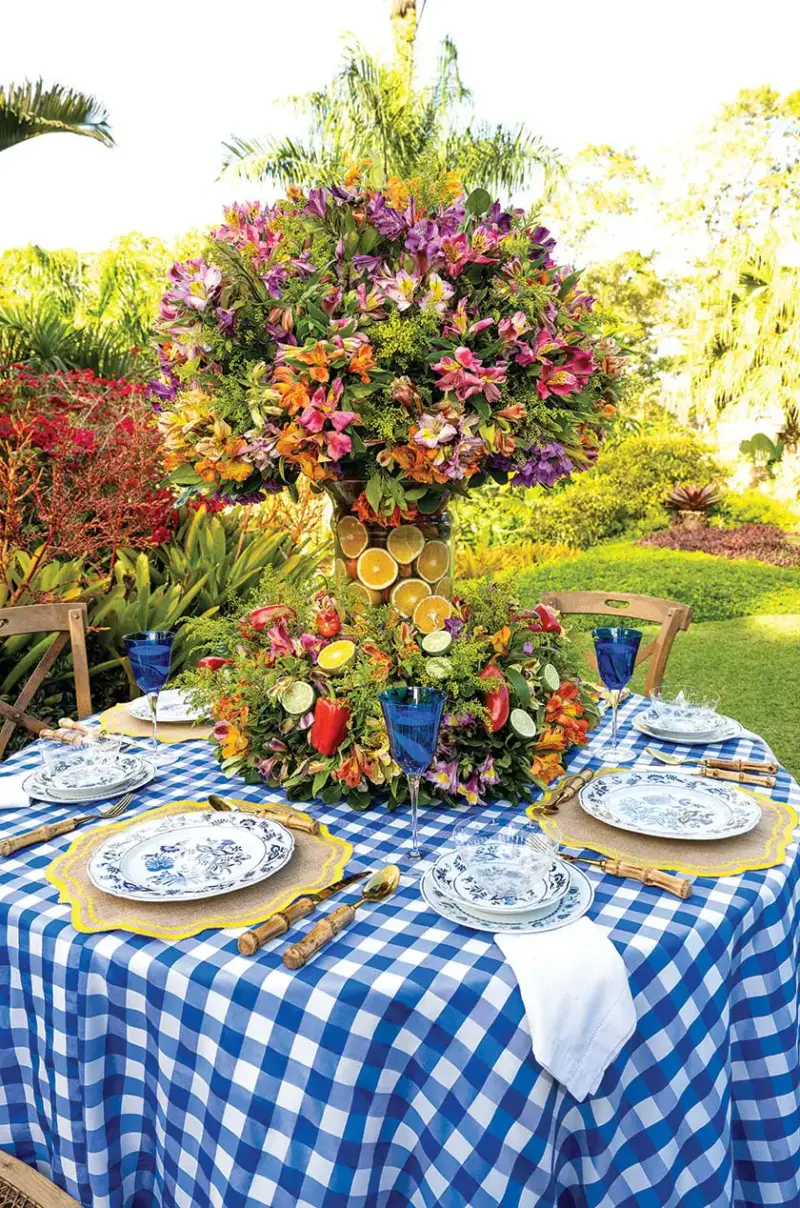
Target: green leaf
(184, 476)
(374, 491)
(320, 780)
(519, 687)
(481, 406)
(429, 503)
(478, 202)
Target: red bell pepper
(329, 623)
(330, 725)
(263, 618)
(497, 699)
(548, 621)
(213, 662)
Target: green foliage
(372, 113)
(29, 110)
(715, 588)
(623, 493)
(506, 559)
(754, 507)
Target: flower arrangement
(416, 341)
(294, 685)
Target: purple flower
(275, 279)
(544, 467)
(454, 626)
(444, 775)
(370, 264)
(386, 220)
(317, 202)
(227, 320)
(486, 772)
(471, 790)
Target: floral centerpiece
(293, 686)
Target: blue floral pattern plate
(172, 707)
(500, 878)
(572, 906)
(670, 805)
(187, 857)
(78, 774)
(725, 729)
(40, 788)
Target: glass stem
(153, 699)
(413, 792)
(614, 708)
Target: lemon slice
(434, 561)
(352, 536)
(407, 594)
(431, 613)
(405, 543)
(437, 642)
(363, 597)
(376, 568)
(336, 655)
(298, 697)
(444, 587)
(438, 668)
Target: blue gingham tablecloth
(395, 1071)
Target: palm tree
(372, 111)
(28, 110)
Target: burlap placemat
(118, 720)
(763, 847)
(317, 861)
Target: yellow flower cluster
(194, 435)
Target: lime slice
(298, 697)
(522, 723)
(437, 642)
(438, 668)
(552, 679)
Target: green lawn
(753, 665)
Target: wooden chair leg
(16, 713)
(80, 662)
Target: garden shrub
(506, 559)
(715, 588)
(754, 507)
(765, 542)
(623, 494)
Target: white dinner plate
(186, 857)
(38, 792)
(670, 805)
(173, 706)
(573, 905)
(500, 879)
(731, 729)
(76, 776)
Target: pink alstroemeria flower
(338, 445)
(555, 379)
(433, 430)
(400, 289)
(437, 295)
(457, 254)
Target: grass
(752, 664)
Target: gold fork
(52, 829)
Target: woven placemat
(763, 847)
(118, 720)
(317, 861)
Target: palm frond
(29, 110)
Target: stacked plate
(172, 706)
(686, 725)
(81, 778)
(186, 857)
(502, 885)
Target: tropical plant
(30, 110)
(764, 453)
(373, 115)
(765, 542)
(692, 498)
(507, 559)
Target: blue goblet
(150, 653)
(413, 716)
(616, 651)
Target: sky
(178, 77)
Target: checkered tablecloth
(395, 1071)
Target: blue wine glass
(413, 716)
(150, 654)
(616, 651)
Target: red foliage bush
(765, 542)
(79, 468)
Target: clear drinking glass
(413, 717)
(616, 651)
(150, 654)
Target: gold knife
(251, 941)
(285, 814)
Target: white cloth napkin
(577, 999)
(11, 793)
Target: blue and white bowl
(499, 879)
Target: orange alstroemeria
(351, 770)
(547, 767)
(362, 362)
(381, 662)
(235, 743)
(319, 360)
(501, 640)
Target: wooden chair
(69, 622)
(23, 1187)
(625, 607)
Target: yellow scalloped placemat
(117, 720)
(317, 862)
(763, 847)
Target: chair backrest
(625, 607)
(23, 1187)
(68, 623)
